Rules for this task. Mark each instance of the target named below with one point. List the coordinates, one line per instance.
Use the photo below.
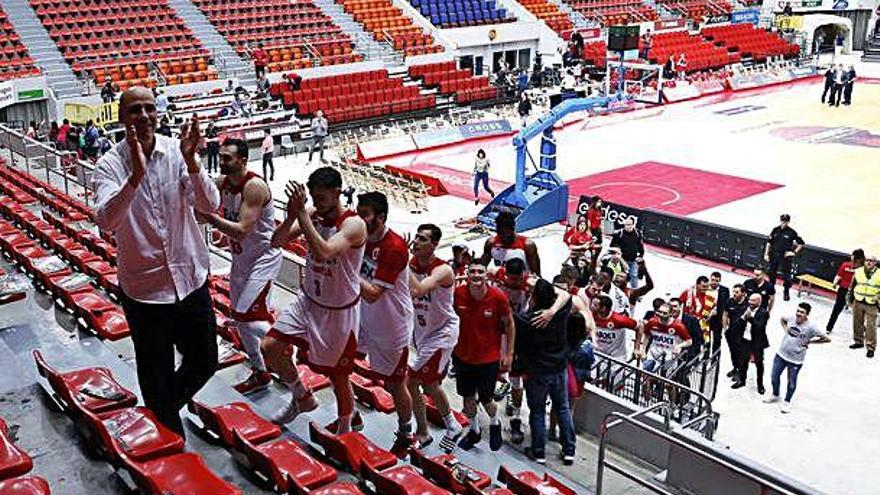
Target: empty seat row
(458, 13)
(15, 61)
(460, 83)
(388, 23)
(548, 12)
(750, 41)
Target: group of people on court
(839, 83)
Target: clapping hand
(190, 136)
(136, 150)
(296, 198)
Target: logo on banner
(611, 212)
(829, 135)
(487, 128)
(745, 16)
(7, 95)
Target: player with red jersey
(610, 336)
(666, 339)
(432, 285)
(485, 317)
(387, 311)
(325, 315)
(507, 244)
(248, 219)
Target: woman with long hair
(481, 174)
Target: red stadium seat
(94, 388)
(351, 450)
(529, 483)
(400, 480)
(26, 485)
(131, 431)
(184, 473)
(372, 393)
(221, 421)
(279, 460)
(439, 469)
(342, 488)
(13, 460)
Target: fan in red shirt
(261, 60)
(843, 281)
(594, 219)
(578, 239)
(699, 303)
(485, 316)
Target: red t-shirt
(594, 219)
(480, 327)
(260, 57)
(845, 273)
(574, 237)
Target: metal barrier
(766, 486)
(646, 389)
(73, 172)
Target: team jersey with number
(433, 311)
(388, 320)
(611, 333)
(253, 257)
(501, 252)
(664, 338)
(334, 284)
(519, 294)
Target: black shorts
(475, 379)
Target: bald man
(752, 325)
(147, 190)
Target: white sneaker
(785, 407)
(770, 399)
(289, 412)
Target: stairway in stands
(576, 17)
(872, 48)
(226, 60)
(364, 42)
(58, 73)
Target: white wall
(474, 40)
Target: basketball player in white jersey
(507, 244)
(248, 219)
(432, 285)
(325, 315)
(387, 311)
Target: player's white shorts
(386, 363)
(328, 333)
(251, 300)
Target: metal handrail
(631, 420)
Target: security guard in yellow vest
(864, 296)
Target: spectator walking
(842, 283)
(91, 140)
(212, 142)
(751, 327)
(864, 295)
(779, 251)
(268, 151)
(52, 136)
(524, 108)
(545, 352)
(261, 59)
(319, 134)
(481, 175)
(632, 249)
(108, 92)
(800, 332)
(61, 138)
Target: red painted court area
(655, 185)
(668, 188)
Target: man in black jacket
(731, 311)
(722, 294)
(631, 247)
(781, 248)
(753, 327)
(849, 78)
(829, 82)
(544, 353)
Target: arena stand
(697, 10)
(460, 13)
(15, 61)
(388, 23)
(296, 34)
(451, 81)
(123, 39)
(547, 11)
(614, 12)
(699, 53)
(749, 41)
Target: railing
(766, 486)
(645, 389)
(74, 173)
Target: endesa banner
(611, 212)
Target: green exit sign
(31, 94)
